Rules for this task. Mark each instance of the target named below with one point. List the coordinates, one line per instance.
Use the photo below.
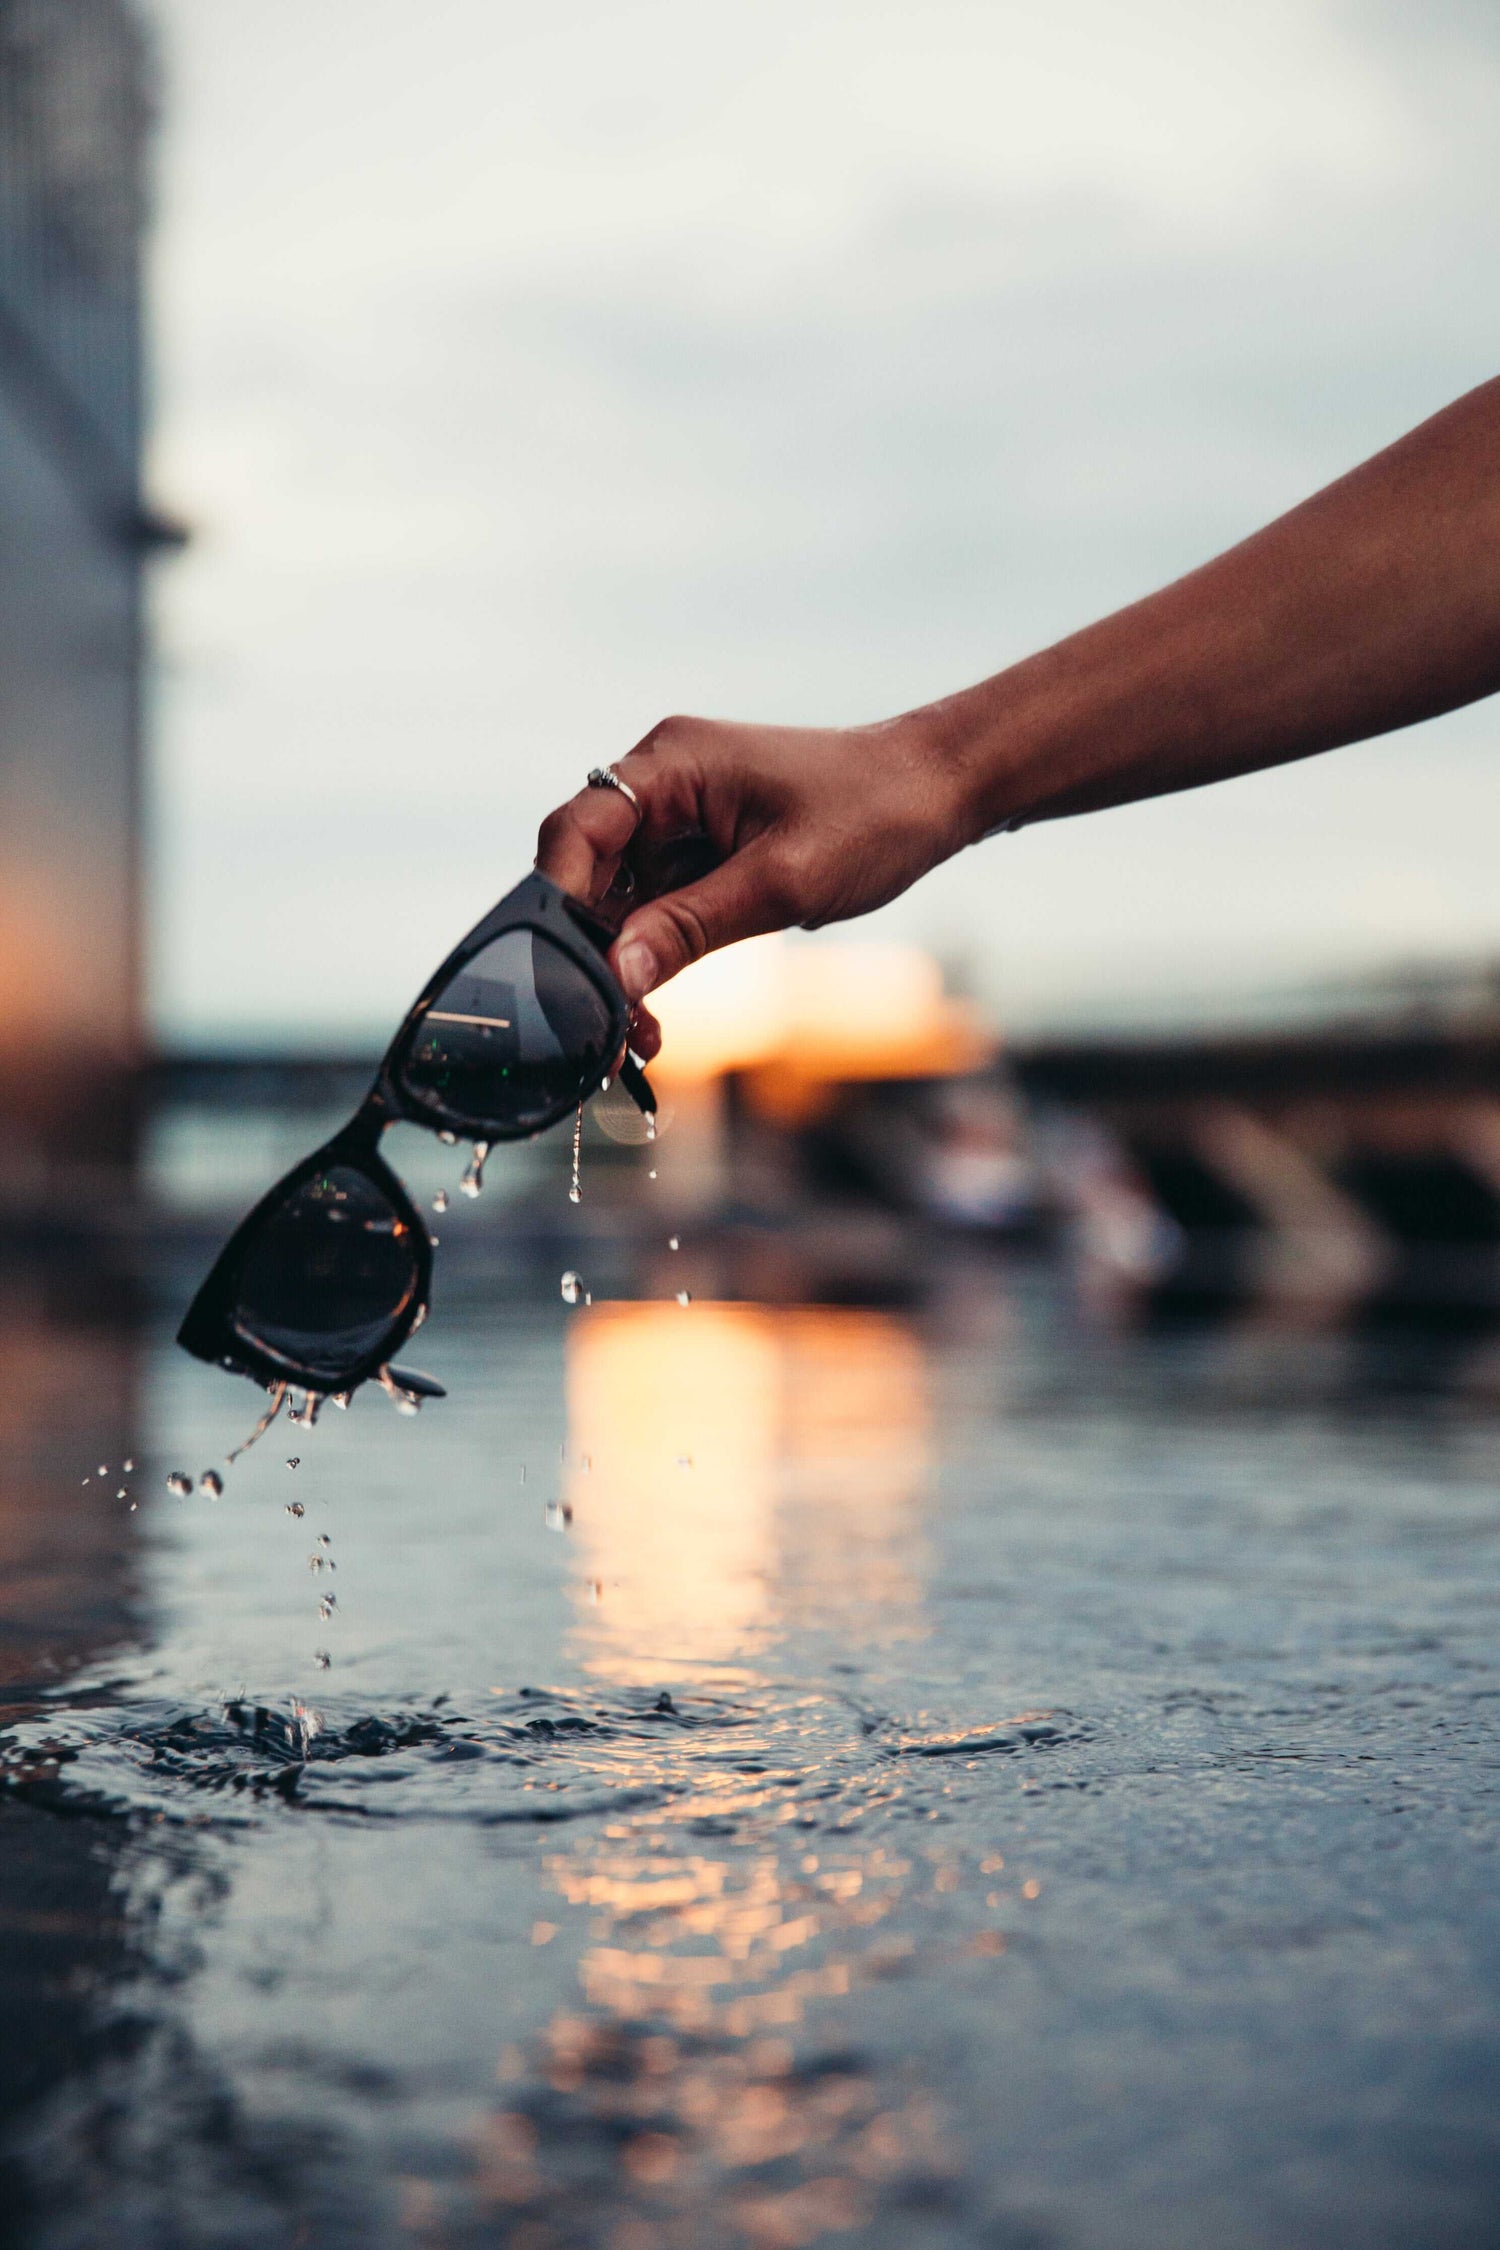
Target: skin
(1372, 605)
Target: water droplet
(651, 1175)
(327, 1604)
(684, 1460)
(585, 1463)
(294, 1460)
(324, 1540)
(558, 1515)
(440, 1200)
(405, 1401)
(212, 1483)
(122, 1494)
(322, 1659)
(88, 1480)
(305, 1416)
(575, 1186)
(179, 1484)
(104, 1468)
(674, 1242)
(472, 1183)
(341, 1399)
(572, 1287)
(684, 1296)
(651, 1133)
(279, 1393)
(295, 1508)
(449, 1140)
(315, 1562)
(133, 1506)
(128, 1467)
(523, 1472)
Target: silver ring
(605, 777)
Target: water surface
(939, 1777)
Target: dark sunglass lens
(518, 1032)
(328, 1276)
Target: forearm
(1372, 605)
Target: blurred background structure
(75, 118)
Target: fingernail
(636, 970)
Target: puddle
(948, 1786)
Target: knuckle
(668, 733)
(688, 928)
(790, 883)
(555, 827)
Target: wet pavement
(783, 1774)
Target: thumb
(741, 899)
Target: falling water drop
(179, 1484)
(559, 1515)
(449, 1140)
(651, 1128)
(440, 1200)
(305, 1415)
(327, 1604)
(472, 1183)
(294, 1460)
(674, 1242)
(128, 1467)
(279, 1394)
(575, 1185)
(316, 1561)
(295, 1508)
(122, 1494)
(572, 1287)
(104, 1468)
(322, 1659)
(684, 1296)
(212, 1483)
(651, 1175)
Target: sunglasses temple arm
(636, 1085)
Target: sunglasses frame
(208, 1330)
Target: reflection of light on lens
(615, 1112)
(747, 1465)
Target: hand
(810, 825)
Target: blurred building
(75, 117)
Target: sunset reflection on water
(734, 1472)
(731, 1467)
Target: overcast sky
(529, 373)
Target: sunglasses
(332, 1271)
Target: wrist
(985, 751)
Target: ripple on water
(539, 1755)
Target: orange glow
(803, 1017)
(747, 1467)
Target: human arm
(1372, 605)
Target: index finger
(579, 845)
